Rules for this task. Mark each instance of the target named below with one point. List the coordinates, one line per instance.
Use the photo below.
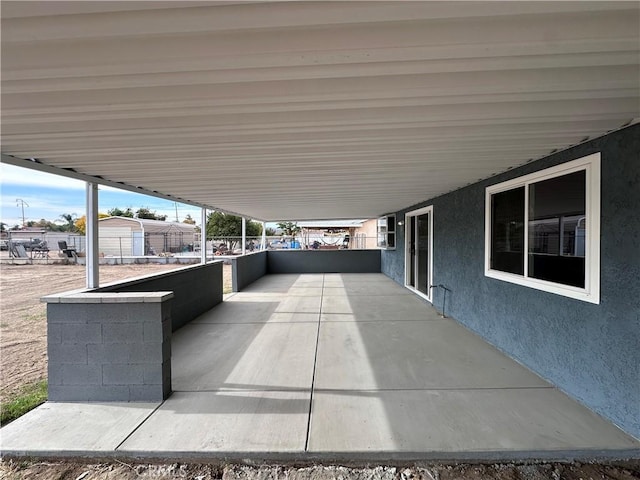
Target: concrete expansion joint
(313, 376)
(117, 447)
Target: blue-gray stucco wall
(592, 352)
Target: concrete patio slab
(232, 311)
(299, 305)
(265, 317)
(287, 280)
(309, 280)
(291, 290)
(363, 277)
(304, 291)
(412, 355)
(200, 422)
(256, 356)
(457, 421)
(74, 427)
(273, 284)
(354, 279)
(348, 317)
(244, 307)
(377, 307)
(370, 288)
(393, 380)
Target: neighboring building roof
(332, 224)
(26, 232)
(154, 226)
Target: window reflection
(557, 229)
(507, 231)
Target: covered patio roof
(310, 110)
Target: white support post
(244, 236)
(203, 236)
(91, 236)
(263, 242)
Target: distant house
(359, 234)
(137, 237)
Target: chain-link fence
(20, 244)
(138, 244)
(233, 245)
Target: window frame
(591, 292)
(390, 231)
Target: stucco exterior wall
(369, 230)
(589, 351)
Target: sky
(49, 196)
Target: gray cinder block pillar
(109, 346)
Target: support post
(244, 236)
(91, 235)
(263, 242)
(203, 236)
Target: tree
(289, 228)
(189, 220)
(44, 225)
(118, 212)
(270, 232)
(70, 222)
(144, 212)
(81, 223)
(228, 228)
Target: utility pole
(21, 203)
(176, 205)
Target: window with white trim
(543, 230)
(387, 232)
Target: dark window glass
(391, 223)
(557, 229)
(507, 231)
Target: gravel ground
(123, 471)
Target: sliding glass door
(418, 251)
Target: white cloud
(37, 207)
(49, 196)
(18, 176)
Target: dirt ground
(124, 471)
(23, 325)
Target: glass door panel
(423, 259)
(418, 254)
(412, 251)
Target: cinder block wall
(323, 261)
(109, 347)
(246, 269)
(196, 289)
